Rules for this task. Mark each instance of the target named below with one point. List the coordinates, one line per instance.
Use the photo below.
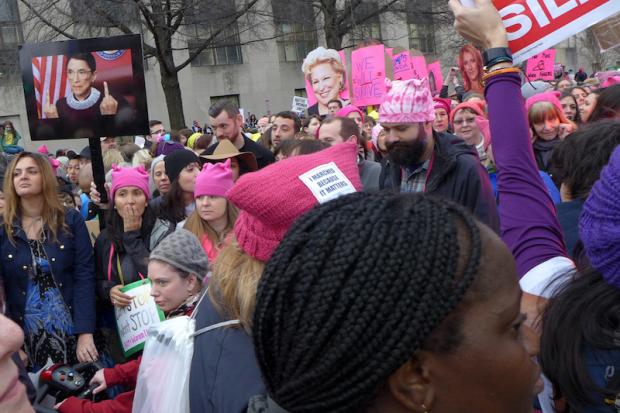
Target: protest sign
(325, 81)
(418, 65)
(300, 104)
(537, 25)
(541, 66)
(327, 182)
(85, 88)
(401, 64)
(134, 321)
(435, 77)
(368, 72)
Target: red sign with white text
(537, 25)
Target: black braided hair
(354, 289)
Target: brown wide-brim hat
(226, 150)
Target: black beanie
(177, 160)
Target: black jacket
(133, 260)
(456, 174)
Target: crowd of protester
(462, 256)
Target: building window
(421, 26)
(232, 98)
(295, 29)
(366, 23)
(10, 36)
(104, 14)
(224, 50)
(295, 41)
(422, 37)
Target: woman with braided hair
(392, 303)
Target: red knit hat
(272, 198)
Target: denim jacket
(72, 266)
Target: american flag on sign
(50, 77)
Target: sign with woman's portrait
(325, 72)
(85, 88)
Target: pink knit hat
(272, 198)
(215, 179)
(441, 103)
(407, 101)
(122, 177)
(376, 131)
(550, 97)
(344, 112)
(43, 150)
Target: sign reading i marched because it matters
(134, 321)
(327, 182)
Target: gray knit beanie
(182, 250)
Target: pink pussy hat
(123, 177)
(215, 179)
(407, 101)
(272, 198)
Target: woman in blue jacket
(46, 261)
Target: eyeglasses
(464, 121)
(81, 74)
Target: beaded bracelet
(500, 72)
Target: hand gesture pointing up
(49, 108)
(109, 105)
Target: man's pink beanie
(344, 112)
(215, 179)
(407, 101)
(122, 177)
(272, 198)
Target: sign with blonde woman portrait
(85, 88)
(325, 72)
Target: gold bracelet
(497, 66)
(500, 72)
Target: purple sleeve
(528, 218)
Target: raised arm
(528, 218)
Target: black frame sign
(85, 88)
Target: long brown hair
(199, 227)
(53, 214)
(232, 287)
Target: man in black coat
(421, 160)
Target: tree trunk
(174, 101)
(333, 37)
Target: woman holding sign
(326, 74)
(122, 248)
(176, 269)
(47, 266)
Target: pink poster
(435, 77)
(402, 66)
(344, 94)
(368, 75)
(418, 65)
(541, 66)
